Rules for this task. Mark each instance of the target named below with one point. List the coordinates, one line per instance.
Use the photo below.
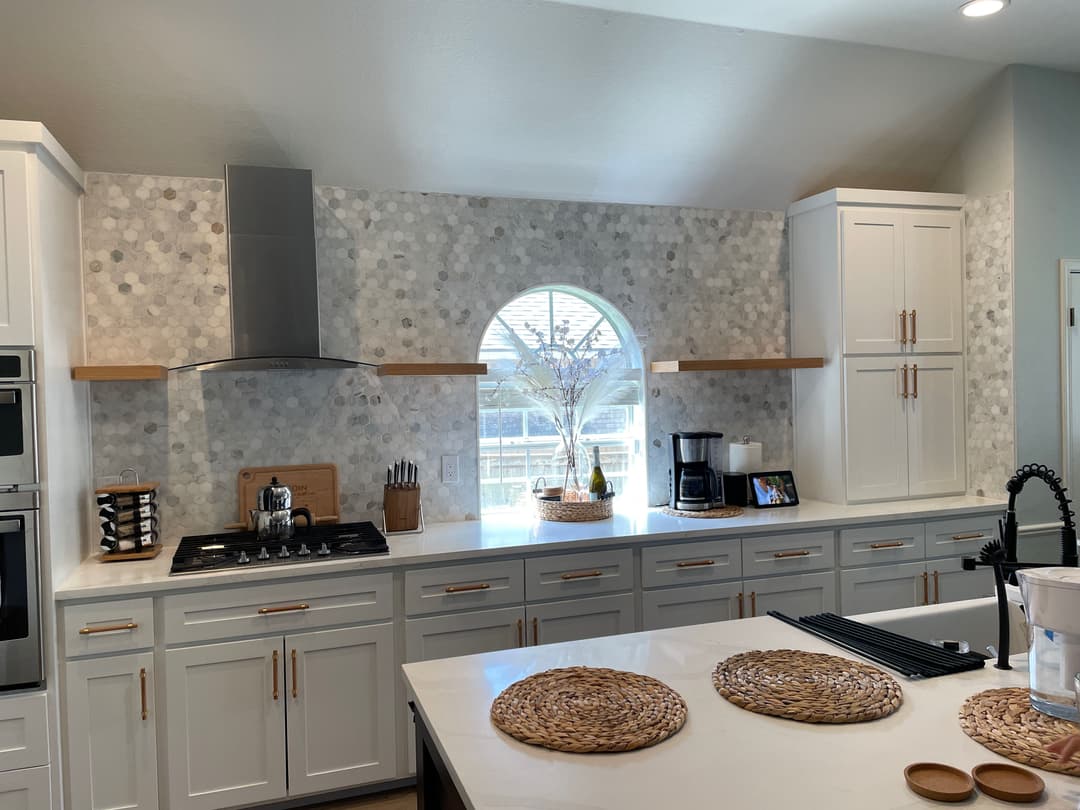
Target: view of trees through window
(519, 442)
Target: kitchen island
(723, 756)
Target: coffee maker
(695, 475)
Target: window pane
(540, 424)
(608, 420)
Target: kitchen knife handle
(903, 327)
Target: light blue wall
(1046, 107)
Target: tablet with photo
(777, 488)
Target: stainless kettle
(273, 513)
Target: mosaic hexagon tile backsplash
(406, 277)
(988, 293)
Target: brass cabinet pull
(740, 605)
(536, 631)
(581, 574)
(479, 586)
(283, 609)
(937, 589)
(903, 377)
(971, 536)
(275, 676)
(295, 690)
(111, 628)
(753, 603)
(521, 632)
(142, 692)
(694, 563)
(782, 555)
(925, 588)
(903, 327)
(890, 544)
(914, 336)
(915, 378)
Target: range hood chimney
(273, 277)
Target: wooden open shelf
(432, 369)
(747, 364)
(119, 373)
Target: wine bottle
(597, 482)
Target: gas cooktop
(215, 552)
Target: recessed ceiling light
(982, 8)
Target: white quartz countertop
(505, 536)
(723, 756)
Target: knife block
(402, 509)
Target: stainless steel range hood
(274, 284)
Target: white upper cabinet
(902, 281)
(16, 283)
(873, 259)
(933, 281)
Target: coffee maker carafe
(695, 474)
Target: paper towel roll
(744, 457)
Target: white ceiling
(1030, 32)
(500, 97)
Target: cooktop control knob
(324, 550)
(243, 558)
(304, 550)
(284, 553)
(263, 554)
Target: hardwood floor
(392, 800)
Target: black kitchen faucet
(1000, 554)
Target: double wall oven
(20, 627)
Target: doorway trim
(1070, 280)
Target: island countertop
(517, 535)
(724, 756)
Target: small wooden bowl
(1010, 783)
(551, 492)
(942, 783)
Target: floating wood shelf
(119, 373)
(747, 364)
(432, 369)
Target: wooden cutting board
(314, 487)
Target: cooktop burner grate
(215, 552)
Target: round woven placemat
(588, 709)
(722, 512)
(806, 686)
(1005, 722)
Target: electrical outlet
(451, 471)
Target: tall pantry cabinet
(877, 289)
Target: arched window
(519, 441)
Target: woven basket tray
(1004, 721)
(806, 686)
(574, 511)
(589, 709)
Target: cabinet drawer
(788, 553)
(881, 544)
(108, 627)
(698, 604)
(30, 788)
(568, 575)
(961, 536)
(279, 608)
(24, 735)
(684, 563)
(457, 634)
(464, 587)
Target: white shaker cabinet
(877, 290)
(26, 789)
(867, 590)
(795, 594)
(340, 708)
(694, 604)
(16, 285)
(949, 582)
(225, 721)
(111, 733)
(576, 619)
